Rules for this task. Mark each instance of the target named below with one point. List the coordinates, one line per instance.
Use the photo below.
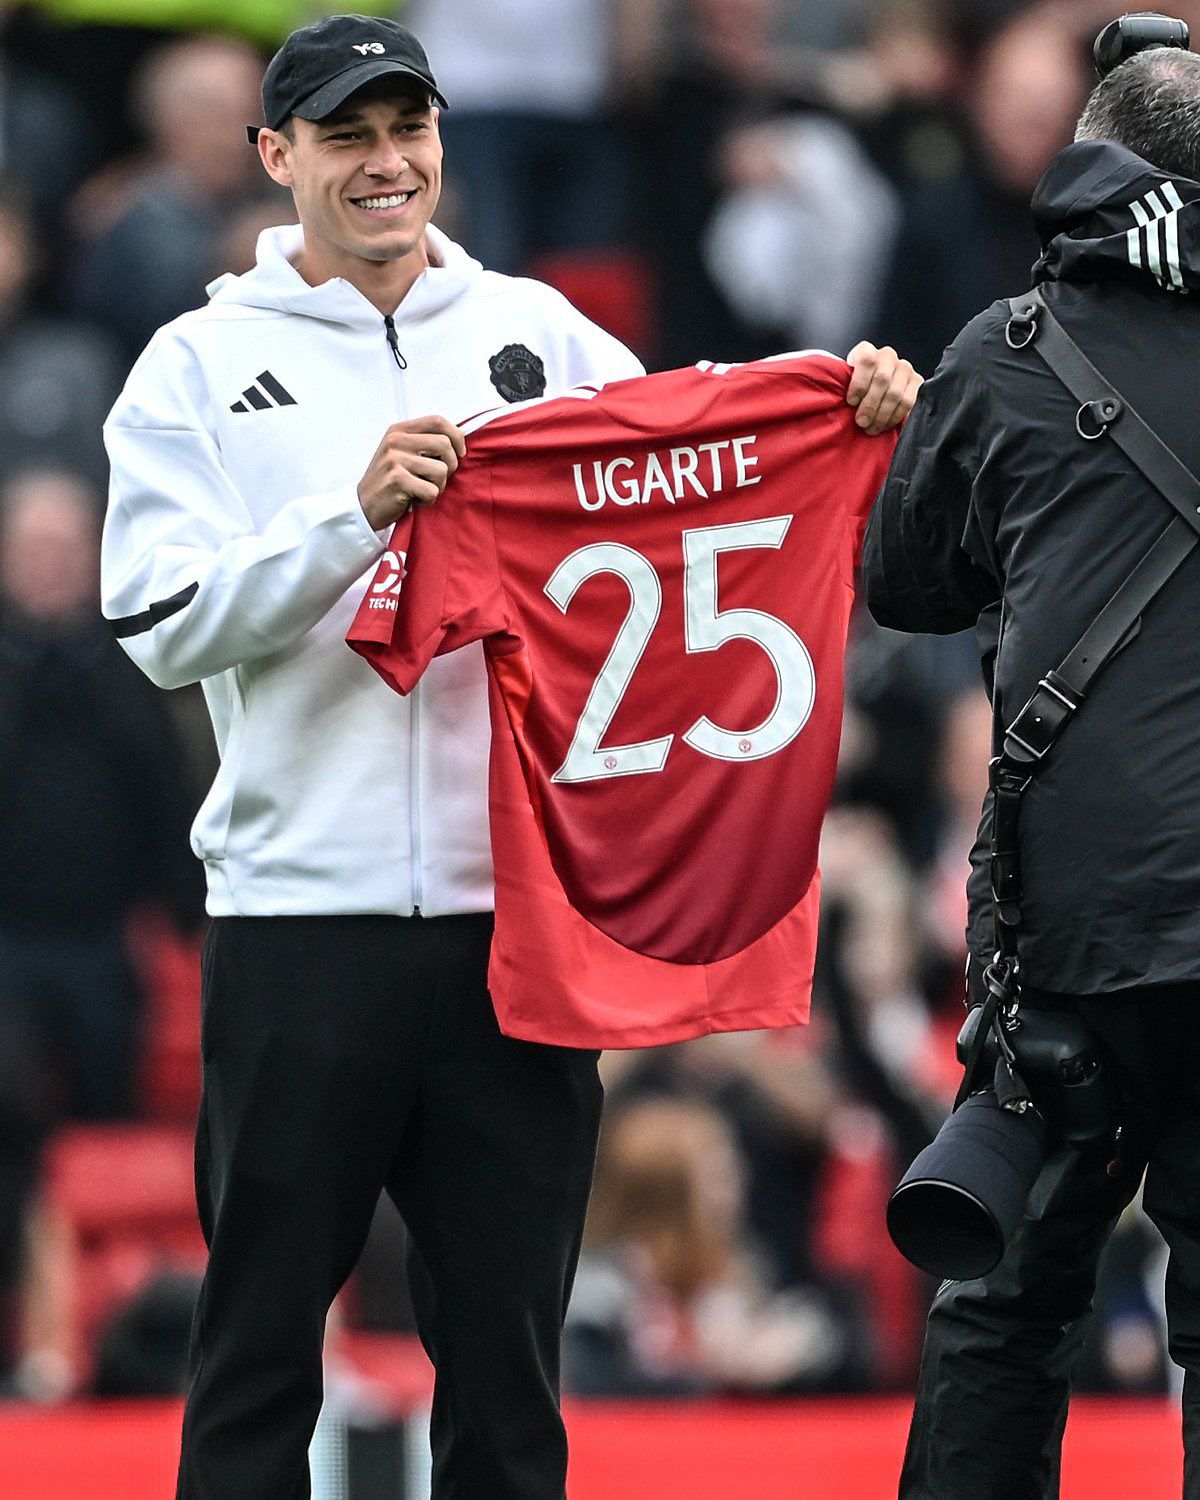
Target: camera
(1063, 1066)
(959, 1203)
(1134, 32)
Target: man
(151, 253)
(58, 376)
(261, 452)
(995, 494)
(93, 806)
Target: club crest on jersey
(517, 373)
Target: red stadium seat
(169, 970)
(125, 1194)
(611, 287)
(109, 1178)
(851, 1244)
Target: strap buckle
(1042, 720)
(1006, 883)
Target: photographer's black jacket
(994, 495)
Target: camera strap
(1030, 737)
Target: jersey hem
(577, 1032)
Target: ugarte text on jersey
(669, 474)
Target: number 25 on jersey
(706, 628)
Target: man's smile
(384, 203)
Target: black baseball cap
(321, 65)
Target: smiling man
(261, 451)
(360, 217)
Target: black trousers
(342, 1056)
(996, 1368)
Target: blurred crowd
(715, 179)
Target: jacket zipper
(414, 721)
(414, 795)
(389, 328)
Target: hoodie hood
(275, 283)
(1102, 212)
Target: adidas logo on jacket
(235, 551)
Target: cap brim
(330, 95)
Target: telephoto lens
(959, 1204)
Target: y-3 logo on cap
(365, 47)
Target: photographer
(998, 502)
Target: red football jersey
(662, 573)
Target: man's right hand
(412, 466)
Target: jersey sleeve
(437, 587)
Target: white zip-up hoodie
(235, 551)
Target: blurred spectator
(962, 783)
(93, 814)
(45, 144)
(150, 227)
(799, 240)
(1125, 1351)
(967, 236)
(719, 69)
(669, 1299)
(57, 378)
(776, 1092)
(142, 1349)
(46, 1349)
(894, 1059)
(868, 966)
(903, 87)
(894, 695)
(22, 1126)
(235, 250)
(534, 159)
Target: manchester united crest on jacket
(517, 373)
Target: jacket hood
(275, 283)
(1101, 212)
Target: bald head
(1152, 105)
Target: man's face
(49, 550)
(366, 179)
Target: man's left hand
(883, 387)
